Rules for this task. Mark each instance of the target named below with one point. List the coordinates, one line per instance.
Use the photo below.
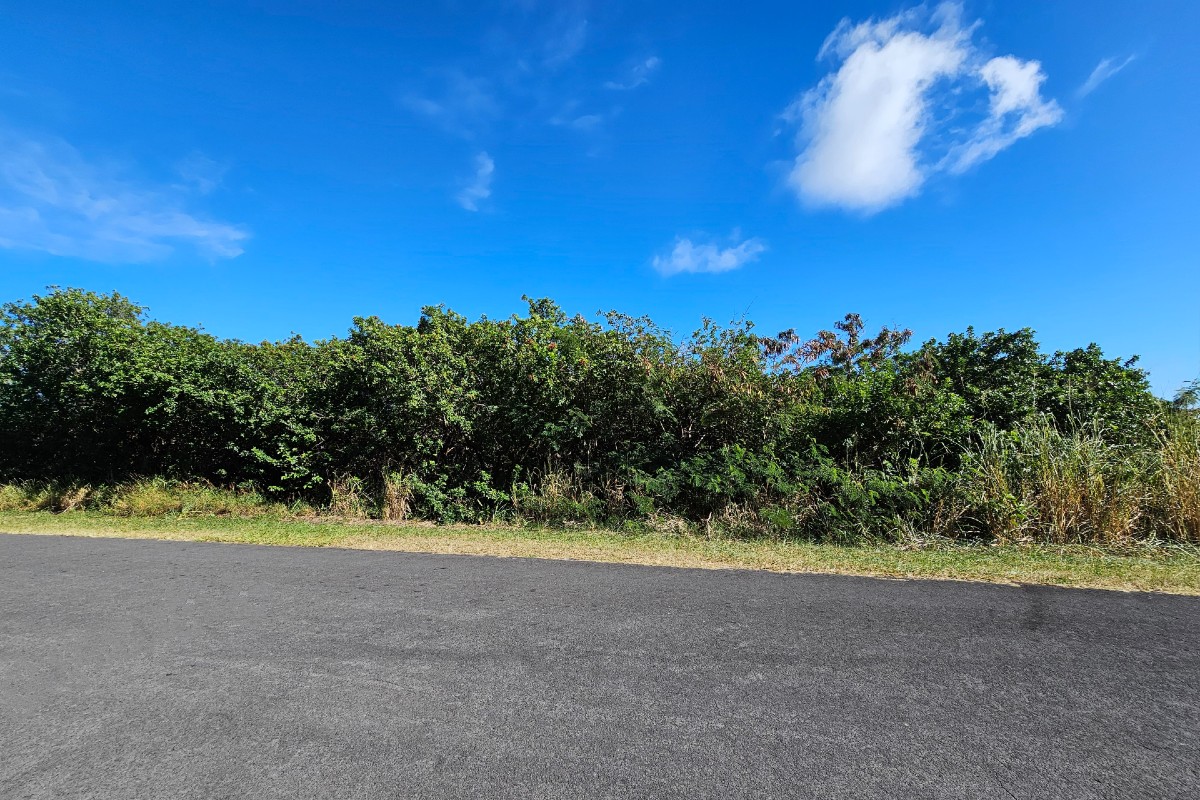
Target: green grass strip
(1165, 568)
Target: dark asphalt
(139, 669)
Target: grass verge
(1172, 569)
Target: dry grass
(397, 496)
(1064, 488)
(348, 498)
(44, 497)
(155, 497)
(1174, 569)
(1179, 478)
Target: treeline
(545, 417)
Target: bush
(558, 420)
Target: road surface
(141, 669)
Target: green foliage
(555, 419)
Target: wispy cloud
(201, 173)
(1103, 71)
(54, 200)
(1016, 109)
(565, 36)
(637, 75)
(587, 122)
(456, 102)
(480, 187)
(571, 116)
(891, 114)
(709, 256)
(521, 74)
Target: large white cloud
(892, 112)
(54, 200)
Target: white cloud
(688, 256)
(637, 75)
(480, 187)
(570, 117)
(54, 201)
(871, 130)
(1103, 71)
(1016, 109)
(586, 122)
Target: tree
(844, 352)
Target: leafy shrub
(560, 420)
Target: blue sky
(263, 168)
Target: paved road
(135, 669)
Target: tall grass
(349, 497)
(1177, 488)
(39, 496)
(1039, 483)
(395, 500)
(154, 497)
(558, 497)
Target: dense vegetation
(543, 417)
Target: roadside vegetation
(1157, 567)
(545, 421)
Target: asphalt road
(138, 669)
